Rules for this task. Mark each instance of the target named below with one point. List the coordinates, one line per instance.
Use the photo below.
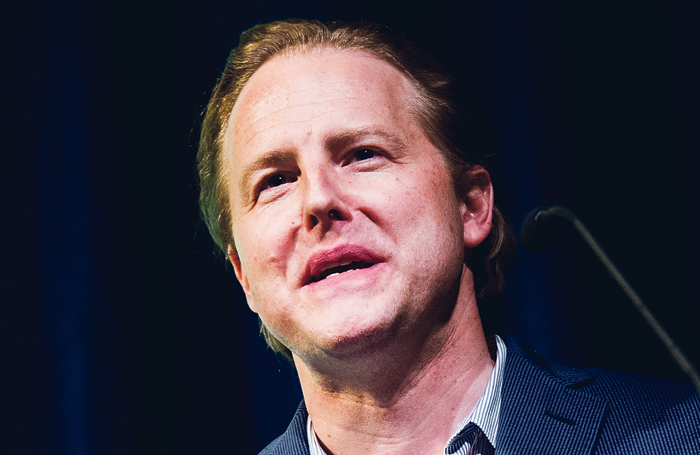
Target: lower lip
(359, 276)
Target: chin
(351, 340)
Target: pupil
(364, 154)
(277, 180)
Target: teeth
(357, 265)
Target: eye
(364, 154)
(272, 182)
(276, 180)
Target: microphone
(538, 232)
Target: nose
(324, 202)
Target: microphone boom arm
(673, 348)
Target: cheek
(422, 199)
(265, 243)
(433, 213)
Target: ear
(478, 207)
(241, 276)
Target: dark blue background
(120, 331)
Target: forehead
(315, 87)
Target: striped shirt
(476, 434)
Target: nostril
(335, 215)
(313, 221)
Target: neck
(407, 397)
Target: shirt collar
(484, 415)
(486, 411)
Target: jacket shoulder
(293, 440)
(647, 412)
(613, 412)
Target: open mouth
(354, 265)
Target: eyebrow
(275, 158)
(347, 138)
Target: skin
(327, 164)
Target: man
(357, 209)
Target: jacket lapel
(546, 409)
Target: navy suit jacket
(554, 409)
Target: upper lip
(324, 260)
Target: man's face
(346, 224)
